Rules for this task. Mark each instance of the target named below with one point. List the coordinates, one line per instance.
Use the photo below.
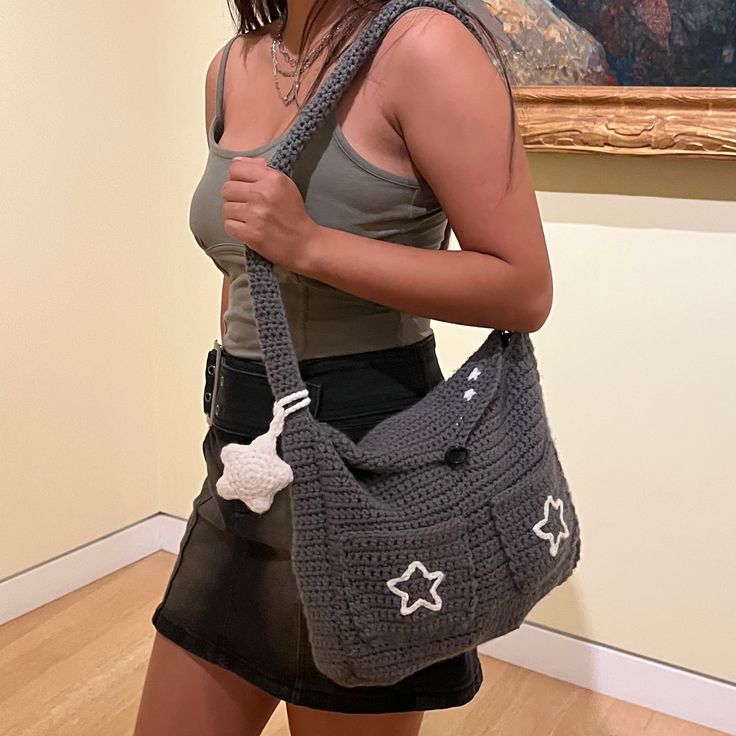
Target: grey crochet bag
(447, 522)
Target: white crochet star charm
(554, 541)
(437, 577)
(254, 473)
(474, 374)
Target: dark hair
(251, 15)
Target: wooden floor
(75, 667)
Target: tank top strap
(221, 77)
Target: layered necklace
(297, 69)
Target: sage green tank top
(341, 190)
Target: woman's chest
(341, 189)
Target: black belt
(241, 400)
(343, 389)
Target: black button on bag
(456, 455)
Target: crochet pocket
(536, 525)
(409, 585)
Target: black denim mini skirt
(232, 597)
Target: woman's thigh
(188, 696)
(311, 722)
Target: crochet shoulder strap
(280, 360)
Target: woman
(423, 136)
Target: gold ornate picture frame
(675, 121)
(583, 74)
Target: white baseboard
(621, 675)
(50, 580)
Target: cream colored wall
(77, 178)
(109, 309)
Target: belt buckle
(215, 383)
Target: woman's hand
(264, 209)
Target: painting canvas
(619, 76)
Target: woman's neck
(298, 10)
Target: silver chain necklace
(298, 70)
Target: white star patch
(474, 374)
(554, 542)
(436, 576)
(469, 394)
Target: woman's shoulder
(239, 44)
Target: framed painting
(622, 76)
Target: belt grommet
(208, 396)
(210, 369)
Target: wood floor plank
(76, 666)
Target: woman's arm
(451, 106)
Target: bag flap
(435, 428)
